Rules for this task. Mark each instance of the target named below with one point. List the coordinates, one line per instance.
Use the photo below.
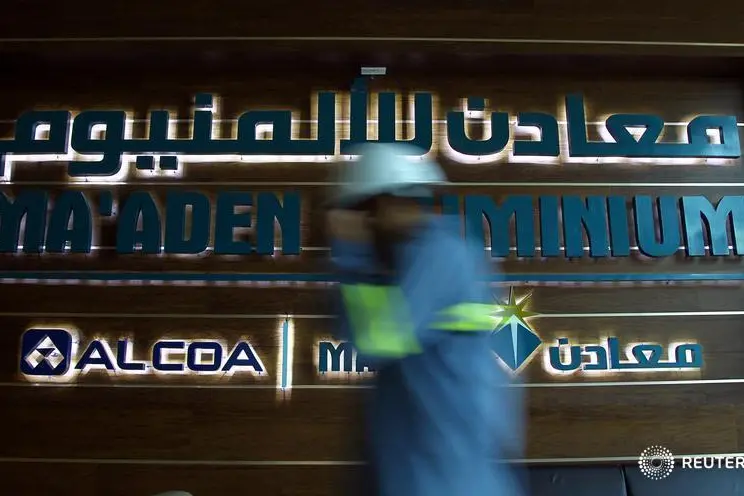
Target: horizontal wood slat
(39, 300)
(324, 425)
(667, 20)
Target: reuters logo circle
(656, 462)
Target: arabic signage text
(95, 141)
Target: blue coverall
(438, 419)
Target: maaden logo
(513, 340)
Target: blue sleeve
(436, 277)
(391, 322)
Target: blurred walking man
(413, 305)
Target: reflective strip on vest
(467, 317)
(380, 320)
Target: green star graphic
(513, 308)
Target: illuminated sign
(192, 224)
(98, 146)
(602, 357)
(189, 224)
(54, 354)
(340, 357)
(96, 142)
(515, 344)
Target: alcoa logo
(46, 352)
(50, 353)
(656, 462)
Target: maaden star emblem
(513, 340)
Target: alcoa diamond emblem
(45, 351)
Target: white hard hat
(386, 169)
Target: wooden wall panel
(321, 424)
(666, 20)
(122, 434)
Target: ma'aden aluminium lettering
(545, 226)
(606, 221)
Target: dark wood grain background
(110, 436)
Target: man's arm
(437, 292)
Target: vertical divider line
(286, 372)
